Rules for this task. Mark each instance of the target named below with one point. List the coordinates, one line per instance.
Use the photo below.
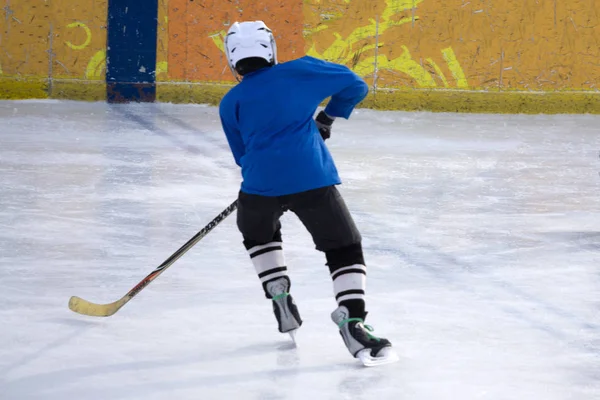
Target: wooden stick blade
(84, 307)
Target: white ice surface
(481, 235)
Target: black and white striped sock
(349, 282)
(268, 260)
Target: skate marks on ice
(215, 140)
(439, 257)
(576, 241)
(81, 327)
(563, 325)
(444, 266)
(30, 385)
(479, 271)
(176, 132)
(145, 122)
(269, 370)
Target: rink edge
(13, 88)
(494, 102)
(433, 100)
(79, 90)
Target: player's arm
(230, 127)
(350, 91)
(339, 82)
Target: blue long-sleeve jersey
(269, 125)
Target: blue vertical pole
(131, 51)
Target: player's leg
(258, 221)
(326, 216)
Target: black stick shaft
(181, 251)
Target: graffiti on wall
(96, 65)
(356, 33)
(194, 26)
(353, 33)
(414, 43)
(391, 43)
(58, 39)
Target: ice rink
(481, 235)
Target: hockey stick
(85, 307)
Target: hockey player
(268, 121)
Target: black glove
(324, 123)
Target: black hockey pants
(322, 211)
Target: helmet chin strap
(235, 73)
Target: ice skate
(361, 343)
(284, 308)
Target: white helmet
(249, 39)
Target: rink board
(508, 57)
(435, 100)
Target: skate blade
(293, 336)
(386, 356)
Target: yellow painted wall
(406, 49)
(50, 44)
(503, 44)
(162, 43)
(527, 44)
(505, 48)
